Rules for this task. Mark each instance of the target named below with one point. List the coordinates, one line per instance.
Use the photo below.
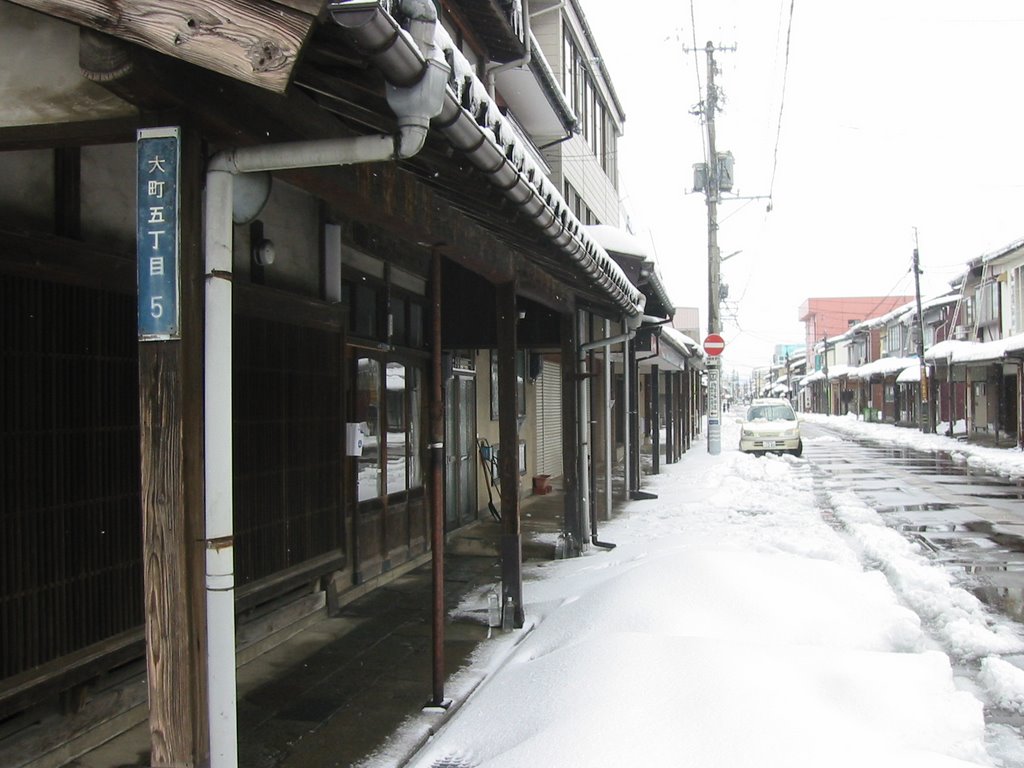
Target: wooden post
(171, 442)
(670, 415)
(573, 522)
(508, 452)
(437, 481)
(655, 420)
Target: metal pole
(437, 483)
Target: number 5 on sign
(156, 232)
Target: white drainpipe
(414, 106)
(527, 52)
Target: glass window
(389, 402)
(988, 302)
(415, 389)
(364, 311)
(367, 414)
(416, 326)
(520, 384)
(398, 432)
(568, 56)
(399, 329)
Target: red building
(828, 317)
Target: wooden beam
(255, 42)
(508, 453)
(171, 442)
(65, 261)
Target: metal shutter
(549, 420)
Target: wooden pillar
(687, 406)
(570, 431)
(508, 452)
(678, 378)
(655, 420)
(670, 416)
(173, 520)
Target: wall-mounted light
(263, 252)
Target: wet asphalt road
(970, 521)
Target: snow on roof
(682, 341)
(1005, 250)
(909, 375)
(955, 351)
(472, 94)
(812, 377)
(883, 367)
(838, 371)
(617, 239)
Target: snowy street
(757, 612)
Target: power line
(696, 69)
(781, 103)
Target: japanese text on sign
(157, 233)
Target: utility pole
(828, 387)
(712, 191)
(924, 415)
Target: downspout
(608, 437)
(414, 104)
(583, 411)
(527, 56)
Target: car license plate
(769, 444)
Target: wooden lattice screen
(70, 527)
(288, 446)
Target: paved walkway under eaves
(332, 694)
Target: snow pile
(963, 624)
(1004, 683)
(731, 626)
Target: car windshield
(771, 412)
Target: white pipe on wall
(608, 435)
(220, 579)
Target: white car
(770, 426)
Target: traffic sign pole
(714, 345)
(714, 407)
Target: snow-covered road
(734, 625)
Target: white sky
(733, 626)
(897, 115)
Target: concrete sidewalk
(333, 694)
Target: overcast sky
(897, 114)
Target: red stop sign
(714, 344)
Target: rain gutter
(489, 147)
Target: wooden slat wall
(288, 445)
(70, 529)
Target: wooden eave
(489, 23)
(255, 42)
(333, 92)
